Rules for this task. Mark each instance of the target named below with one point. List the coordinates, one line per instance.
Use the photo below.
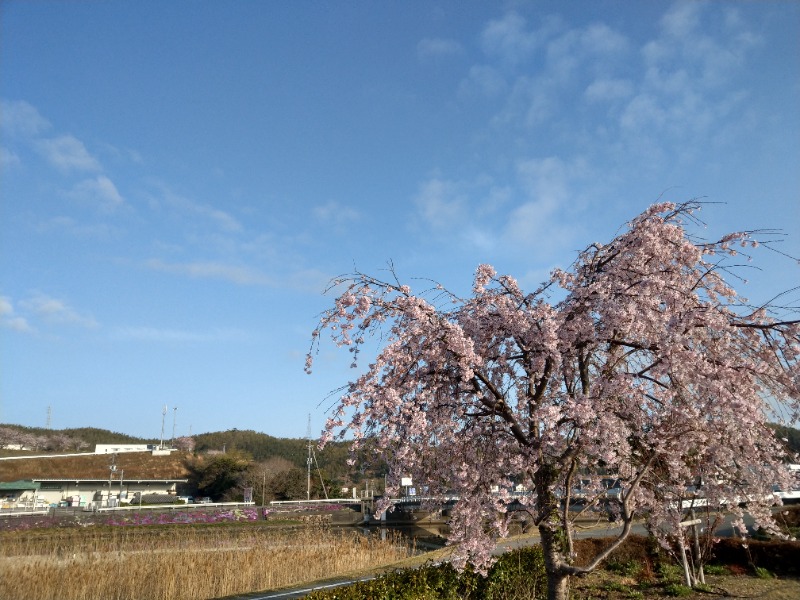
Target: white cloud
(222, 219)
(609, 90)
(681, 19)
(68, 153)
(72, 227)
(538, 97)
(543, 221)
(483, 80)
(305, 280)
(9, 319)
(441, 204)
(601, 39)
(437, 48)
(100, 192)
(8, 158)
(213, 270)
(20, 118)
(308, 280)
(335, 213)
(54, 310)
(509, 39)
(642, 113)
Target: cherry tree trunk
(554, 560)
(557, 587)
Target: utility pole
(111, 468)
(174, 418)
(308, 460)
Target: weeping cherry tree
(650, 368)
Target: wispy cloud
(18, 118)
(438, 48)
(335, 213)
(9, 319)
(542, 221)
(8, 158)
(509, 39)
(688, 90)
(68, 153)
(212, 270)
(441, 204)
(307, 280)
(98, 192)
(608, 90)
(303, 280)
(483, 80)
(73, 227)
(54, 310)
(186, 206)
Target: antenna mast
(163, 416)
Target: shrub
(783, 558)
(677, 589)
(517, 575)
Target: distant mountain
(259, 446)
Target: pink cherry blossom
(651, 371)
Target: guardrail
(20, 512)
(192, 506)
(313, 502)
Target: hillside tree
(640, 361)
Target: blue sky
(181, 179)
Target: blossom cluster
(651, 370)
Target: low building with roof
(80, 480)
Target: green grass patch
(716, 570)
(626, 568)
(763, 573)
(677, 590)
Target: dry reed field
(179, 563)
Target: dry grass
(183, 563)
(137, 465)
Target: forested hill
(260, 446)
(790, 436)
(256, 445)
(81, 439)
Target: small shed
(14, 491)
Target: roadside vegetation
(639, 569)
